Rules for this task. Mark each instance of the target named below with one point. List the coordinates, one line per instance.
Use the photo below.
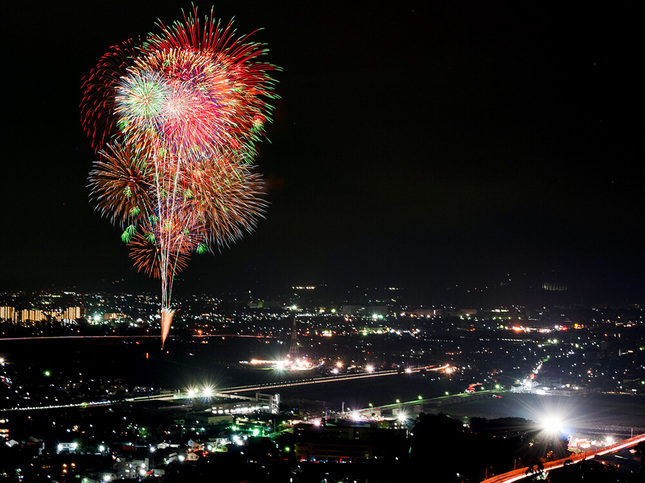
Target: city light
(536, 377)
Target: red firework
(99, 86)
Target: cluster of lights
(300, 364)
(206, 392)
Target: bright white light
(552, 425)
(181, 457)
(208, 391)
(402, 417)
(356, 415)
(101, 448)
(369, 368)
(107, 477)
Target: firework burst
(176, 120)
(97, 105)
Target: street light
(551, 425)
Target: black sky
(421, 143)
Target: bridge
(422, 405)
(231, 392)
(521, 473)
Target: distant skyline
(415, 143)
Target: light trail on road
(235, 389)
(521, 473)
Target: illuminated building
(112, 316)
(554, 287)
(73, 313)
(9, 314)
(33, 316)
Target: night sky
(417, 143)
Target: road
(520, 473)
